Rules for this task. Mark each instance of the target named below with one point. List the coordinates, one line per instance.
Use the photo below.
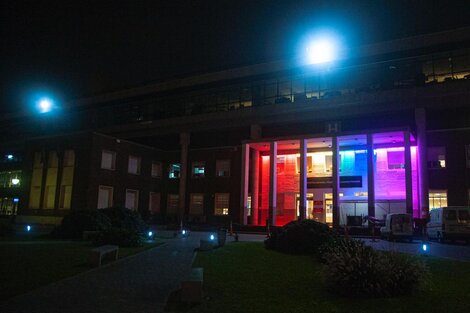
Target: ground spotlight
(212, 237)
(28, 228)
(150, 234)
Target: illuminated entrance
(335, 180)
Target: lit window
(156, 169)
(8, 206)
(105, 197)
(133, 165)
(132, 199)
(437, 199)
(396, 160)
(222, 168)
(198, 169)
(196, 204)
(108, 160)
(436, 157)
(221, 203)
(9, 179)
(174, 170)
(280, 164)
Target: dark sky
(78, 48)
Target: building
(383, 130)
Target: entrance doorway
(309, 209)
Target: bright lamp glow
(425, 247)
(183, 232)
(16, 200)
(10, 156)
(45, 105)
(321, 51)
(150, 234)
(28, 228)
(212, 237)
(15, 181)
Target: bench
(191, 289)
(97, 254)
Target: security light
(322, 50)
(45, 105)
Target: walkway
(139, 283)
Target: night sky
(79, 48)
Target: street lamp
(321, 50)
(45, 105)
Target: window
(280, 164)
(69, 158)
(8, 206)
(450, 215)
(173, 201)
(65, 197)
(198, 169)
(156, 169)
(174, 170)
(436, 157)
(9, 179)
(395, 160)
(328, 163)
(108, 160)
(309, 164)
(133, 166)
(221, 203)
(132, 199)
(464, 215)
(196, 204)
(222, 168)
(437, 199)
(105, 197)
(154, 202)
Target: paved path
(140, 283)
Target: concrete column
(254, 186)
(420, 118)
(335, 178)
(408, 177)
(272, 183)
(303, 180)
(184, 142)
(245, 170)
(370, 176)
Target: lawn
(245, 277)
(27, 266)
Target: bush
(125, 219)
(300, 237)
(5, 227)
(118, 236)
(74, 224)
(355, 269)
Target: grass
(27, 266)
(245, 277)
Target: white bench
(97, 254)
(191, 289)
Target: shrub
(74, 224)
(118, 236)
(125, 219)
(300, 237)
(355, 269)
